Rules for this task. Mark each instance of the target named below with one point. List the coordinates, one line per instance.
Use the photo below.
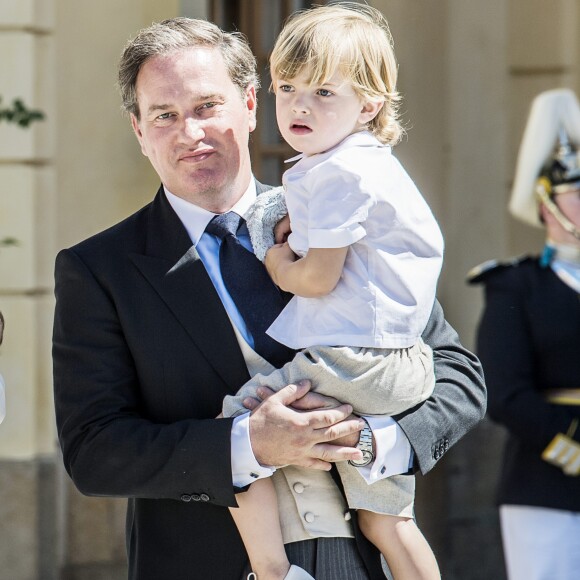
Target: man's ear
(251, 104)
(138, 133)
(369, 111)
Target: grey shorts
(375, 382)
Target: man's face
(194, 126)
(569, 204)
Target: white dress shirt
(393, 450)
(357, 194)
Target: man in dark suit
(147, 342)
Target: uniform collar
(562, 253)
(564, 260)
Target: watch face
(366, 459)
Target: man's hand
(309, 402)
(283, 435)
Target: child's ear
(369, 111)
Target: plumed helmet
(548, 158)
(562, 169)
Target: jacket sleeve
(458, 401)
(111, 447)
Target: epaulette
(478, 273)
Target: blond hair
(349, 38)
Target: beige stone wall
(27, 201)
(468, 72)
(543, 53)
(101, 173)
(453, 76)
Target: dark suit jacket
(143, 356)
(529, 342)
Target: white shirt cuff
(245, 467)
(393, 452)
(337, 238)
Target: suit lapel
(172, 266)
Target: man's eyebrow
(153, 108)
(200, 98)
(211, 97)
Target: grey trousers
(326, 559)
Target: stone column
(27, 217)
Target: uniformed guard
(529, 343)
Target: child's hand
(282, 230)
(277, 257)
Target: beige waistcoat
(309, 503)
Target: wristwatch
(365, 444)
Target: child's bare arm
(314, 275)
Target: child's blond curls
(353, 39)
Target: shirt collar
(358, 139)
(195, 218)
(565, 252)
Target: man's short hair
(177, 34)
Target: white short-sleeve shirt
(358, 195)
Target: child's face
(313, 118)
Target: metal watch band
(365, 444)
